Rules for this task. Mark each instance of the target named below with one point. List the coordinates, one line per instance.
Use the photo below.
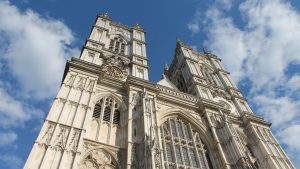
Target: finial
(166, 67)
(136, 25)
(206, 51)
(105, 15)
(179, 41)
(166, 70)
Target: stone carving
(74, 141)
(133, 156)
(81, 83)
(90, 85)
(216, 92)
(98, 159)
(157, 157)
(88, 165)
(136, 99)
(62, 137)
(114, 66)
(71, 80)
(48, 134)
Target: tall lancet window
(107, 110)
(181, 83)
(118, 45)
(210, 77)
(182, 146)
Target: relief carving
(216, 92)
(157, 157)
(46, 138)
(73, 144)
(114, 66)
(97, 159)
(81, 83)
(90, 86)
(62, 136)
(71, 80)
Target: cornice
(221, 70)
(206, 103)
(99, 27)
(249, 118)
(115, 53)
(139, 41)
(81, 65)
(138, 82)
(120, 26)
(91, 40)
(139, 64)
(172, 95)
(110, 81)
(139, 56)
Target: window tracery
(107, 109)
(183, 147)
(181, 83)
(117, 44)
(210, 77)
(98, 158)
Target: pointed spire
(166, 70)
(179, 41)
(137, 26)
(206, 51)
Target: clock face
(113, 71)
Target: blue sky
(258, 40)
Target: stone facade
(107, 113)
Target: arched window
(210, 77)
(117, 44)
(107, 109)
(182, 146)
(181, 83)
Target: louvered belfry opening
(117, 44)
(182, 146)
(107, 109)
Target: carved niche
(114, 66)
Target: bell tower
(107, 114)
(121, 47)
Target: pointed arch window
(210, 77)
(181, 83)
(117, 44)
(182, 146)
(107, 109)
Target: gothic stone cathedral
(108, 115)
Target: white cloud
(36, 50)
(225, 4)
(227, 41)
(11, 161)
(7, 138)
(279, 110)
(193, 26)
(260, 50)
(292, 142)
(294, 83)
(33, 54)
(14, 113)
